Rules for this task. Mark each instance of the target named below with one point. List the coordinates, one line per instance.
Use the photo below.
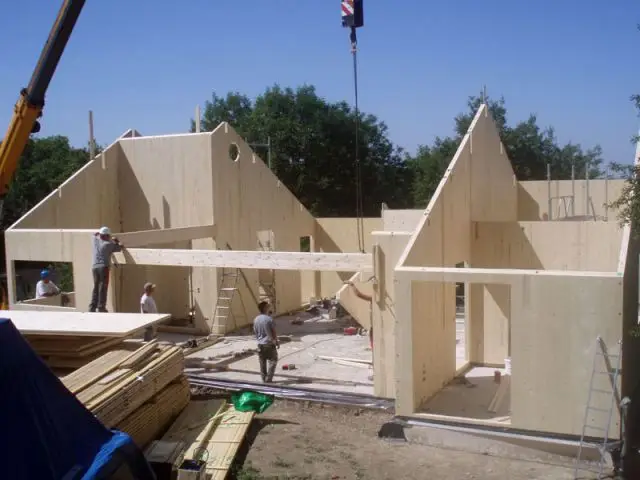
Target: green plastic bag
(249, 401)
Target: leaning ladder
(613, 373)
(226, 294)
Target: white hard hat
(105, 231)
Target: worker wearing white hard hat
(103, 247)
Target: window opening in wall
(234, 152)
(305, 244)
(58, 289)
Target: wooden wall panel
(58, 246)
(167, 182)
(401, 220)
(334, 235)
(389, 247)
(87, 199)
(555, 323)
(533, 198)
(479, 185)
(494, 190)
(249, 198)
(579, 246)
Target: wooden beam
(143, 238)
(259, 260)
(487, 275)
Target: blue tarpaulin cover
(45, 432)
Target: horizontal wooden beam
(143, 238)
(486, 275)
(260, 260)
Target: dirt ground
(298, 440)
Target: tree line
(313, 147)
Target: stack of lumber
(71, 352)
(139, 392)
(212, 431)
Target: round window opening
(234, 152)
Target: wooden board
(265, 260)
(81, 323)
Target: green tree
(313, 148)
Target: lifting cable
(359, 203)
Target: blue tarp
(45, 432)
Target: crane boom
(29, 106)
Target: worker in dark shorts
(268, 344)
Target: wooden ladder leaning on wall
(227, 290)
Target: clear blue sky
(146, 65)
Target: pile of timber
(139, 392)
(212, 431)
(71, 352)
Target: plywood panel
(578, 246)
(333, 235)
(81, 323)
(554, 328)
(249, 198)
(358, 308)
(533, 199)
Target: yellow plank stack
(213, 431)
(138, 392)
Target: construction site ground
(300, 440)
(317, 336)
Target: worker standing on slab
(45, 287)
(148, 305)
(103, 247)
(147, 302)
(265, 332)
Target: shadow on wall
(135, 215)
(324, 243)
(528, 207)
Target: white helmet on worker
(105, 231)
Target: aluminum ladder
(226, 293)
(600, 431)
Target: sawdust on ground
(298, 440)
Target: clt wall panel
(88, 199)
(248, 199)
(555, 323)
(401, 220)
(579, 246)
(167, 182)
(567, 200)
(334, 235)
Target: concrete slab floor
(317, 336)
(470, 396)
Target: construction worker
(45, 287)
(103, 247)
(148, 305)
(265, 332)
(147, 302)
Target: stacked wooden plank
(212, 431)
(139, 392)
(71, 352)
